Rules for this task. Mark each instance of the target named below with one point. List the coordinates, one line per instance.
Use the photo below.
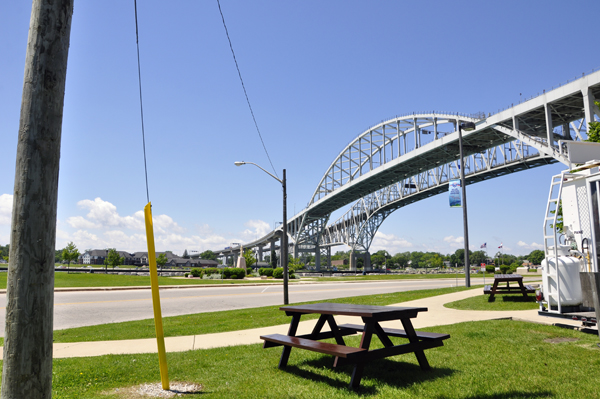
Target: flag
(484, 245)
(500, 245)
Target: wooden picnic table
(507, 278)
(371, 316)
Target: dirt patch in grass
(144, 391)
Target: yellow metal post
(160, 338)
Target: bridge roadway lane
(86, 308)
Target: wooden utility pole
(27, 368)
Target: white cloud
(79, 222)
(389, 242)
(103, 227)
(105, 214)
(532, 246)
(6, 203)
(256, 229)
(162, 223)
(83, 240)
(454, 240)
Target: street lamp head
(238, 163)
(467, 126)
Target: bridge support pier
(317, 258)
(588, 105)
(352, 261)
(367, 261)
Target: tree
(4, 252)
(401, 259)
(58, 256)
(208, 255)
(341, 255)
(458, 257)
(70, 253)
(161, 260)
(477, 257)
(295, 264)
(594, 129)
(437, 261)
(114, 259)
(416, 258)
(185, 254)
(27, 365)
(273, 259)
(309, 259)
(249, 257)
(380, 258)
(536, 257)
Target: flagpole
(486, 255)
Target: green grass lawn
(500, 359)
(97, 279)
(62, 279)
(500, 302)
(369, 277)
(231, 320)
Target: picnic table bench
(507, 278)
(371, 316)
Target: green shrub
(490, 269)
(265, 271)
(186, 274)
(278, 273)
(248, 271)
(513, 267)
(197, 272)
(505, 269)
(234, 273)
(211, 270)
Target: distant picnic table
(507, 278)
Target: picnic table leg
(494, 288)
(383, 337)
(412, 337)
(319, 325)
(523, 290)
(365, 342)
(285, 354)
(336, 331)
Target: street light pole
(284, 244)
(284, 238)
(467, 126)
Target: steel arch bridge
(411, 157)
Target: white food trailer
(570, 277)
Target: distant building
(97, 257)
(341, 262)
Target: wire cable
(244, 87)
(137, 42)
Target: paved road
(85, 308)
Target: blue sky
(318, 73)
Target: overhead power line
(137, 42)
(244, 87)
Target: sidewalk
(437, 315)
